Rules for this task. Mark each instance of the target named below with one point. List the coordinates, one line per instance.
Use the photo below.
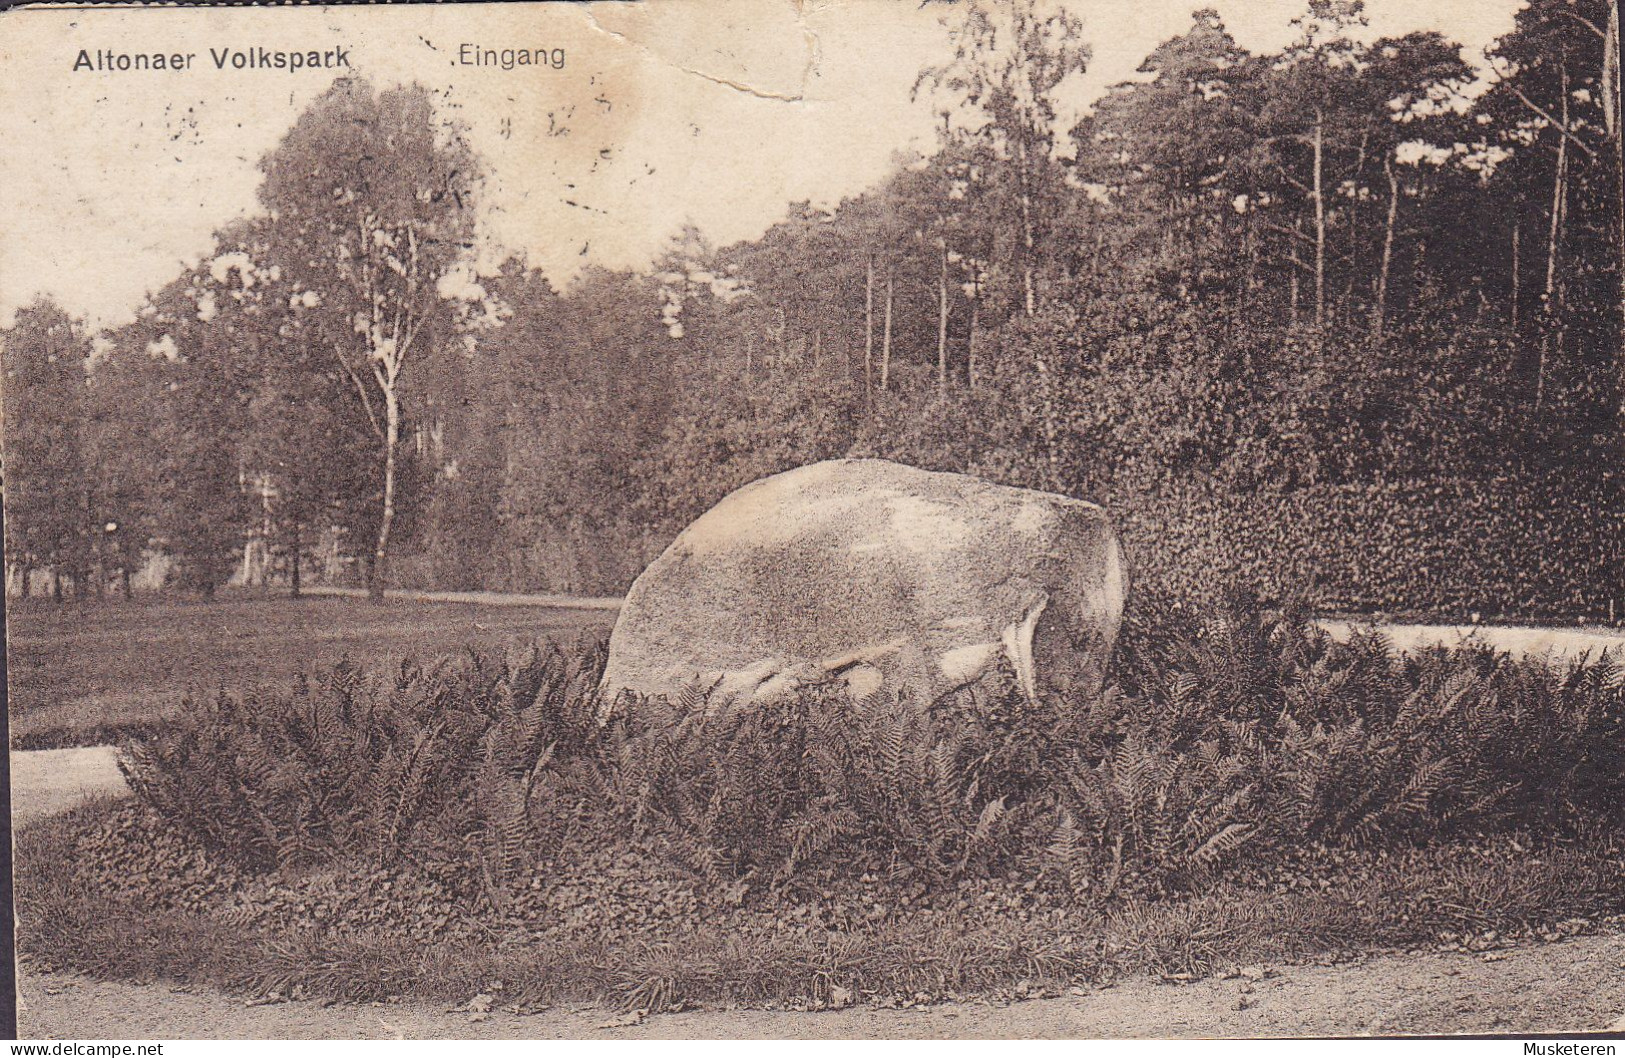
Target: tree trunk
(1614, 68)
(970, 351)
(1249, 281)
(392, 436)
(869, 331)
(1554, 240)
(1379, 317)
(975, 324)
(1294, 280)
(942, 323)
(1028, 241)
(1517, 272)
(885, 341)
(1555, 230)
(294, 569)
(1320, 221)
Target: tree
(1165, 156)
(1009, 60)
(47, 517)
(1405, 83)
(1551, 105)
(1613, 104)
(206, 371)
(303, 452)
(301, 448)
(125, 407)
(373, 206)
(1310, 124)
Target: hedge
(1504, 547)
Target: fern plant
(1228, 735)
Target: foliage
(1255, 288)
(374, 204)
(995, 939)
(45, 358)
(1323, 282)
(395, 765)
(1543, 546)
(1248, 790)
(1231, 729)
(95, 675)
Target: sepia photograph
(830, 519)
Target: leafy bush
(1229, 730)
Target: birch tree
(372, 201)
(1010, 58)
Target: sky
(712, 112)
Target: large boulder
(878, 574)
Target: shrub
(1227, 730)
(403, 765)
(1357, 742)
(1549, 546)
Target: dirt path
(44, 781)
(482, 598)
(1570, 986)
(1521, 641)
(1518, 641)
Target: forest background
(1343, 317)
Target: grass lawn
(86, 673)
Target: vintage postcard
(698, 518)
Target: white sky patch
(461, 284)
(1417, 152)
(221, 267)
(716, 111)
